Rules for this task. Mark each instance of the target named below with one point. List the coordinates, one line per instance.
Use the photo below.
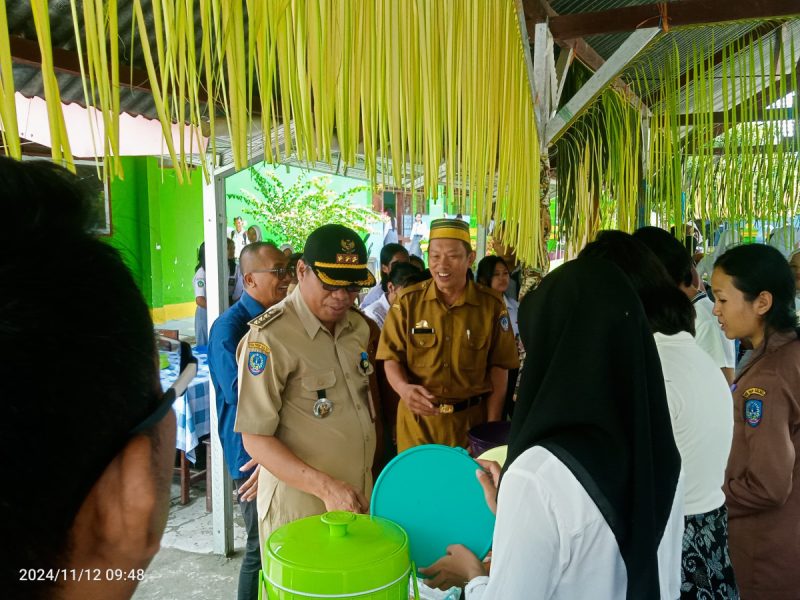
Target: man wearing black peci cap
(305, 412)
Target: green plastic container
(337, 555)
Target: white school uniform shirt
(375, 292)
(551, 541)
(199, 283)
(709, 335)
(701, 412)
(378, 310)
(512, 306)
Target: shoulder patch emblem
(754, 405)
(201, 283)
(504, 322)
(257, 357)
(753, 412)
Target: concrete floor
(185, 567)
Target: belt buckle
(445, 409)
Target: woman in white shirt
(199, 285)
(700, 408)
(590, 503)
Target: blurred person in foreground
(590, 502)
(83, 405)
(266, 280)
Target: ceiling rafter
(537, 11)
(679, 13)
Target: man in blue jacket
(266, 280)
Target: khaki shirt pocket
(473, 350)
(422, 349)
(310, 384)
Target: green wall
(157, 225)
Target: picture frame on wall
(89, 176)
(87, 172)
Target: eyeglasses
(280, 272)
(188, 366)
(350, 289)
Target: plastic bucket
(487, 436)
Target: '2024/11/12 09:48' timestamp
(55, 575)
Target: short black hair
(78, 365)
(672, 254)
(757, 268)
(486, 268)
(388, 252)
(417, 261)
(401, 274)
(668, 309)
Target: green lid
(337, 553)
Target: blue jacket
(226, 332)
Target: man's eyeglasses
(280, 272)
(188, 371)
(350, 289)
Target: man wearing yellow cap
(448, 345)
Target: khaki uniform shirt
(449, 351)
(762, 480)
(277, 398)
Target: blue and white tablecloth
(192, 410)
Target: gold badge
(445, 409)
(347, 259)
(422, 325)
(258, 347)
(348, 246)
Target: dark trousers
(251, 563)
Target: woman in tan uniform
(754, 291)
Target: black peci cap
(338, 256)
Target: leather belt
(446, 409)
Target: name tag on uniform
(416, 330)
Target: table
(192, 410)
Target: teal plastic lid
(432, 492)
(336, 553)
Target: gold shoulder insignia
(265, 318)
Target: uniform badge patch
(753, 412)
(363, 363)
(257, 357)
(504, 322)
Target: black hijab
(592, 393)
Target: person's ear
(763, 303)
(471, 257)
(385, 269)
(301, 269)
(121, 521)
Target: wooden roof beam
(679, 13)
(627, 52)
(26, 52)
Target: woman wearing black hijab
(588, 506)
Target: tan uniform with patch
(302, 358)
(449, 351)
(762, 480)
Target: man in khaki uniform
(304, 411)
(447, 344)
